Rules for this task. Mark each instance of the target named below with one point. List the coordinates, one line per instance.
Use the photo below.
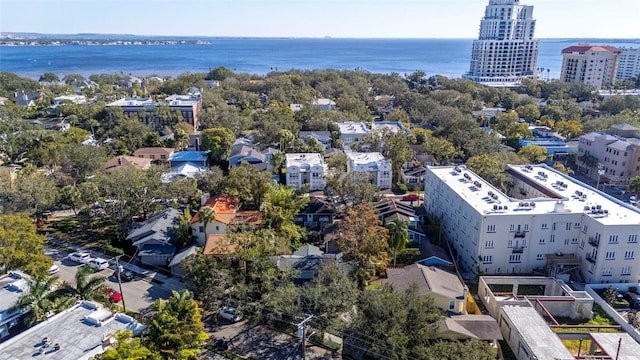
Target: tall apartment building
(616, 154)
(305, 168)
(593, 65)
(547, 217)
(505, 52)
(628, 63)
(374, 164)
(147, 110)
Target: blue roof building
(196, 158)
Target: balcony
(519, 234)
(517, 250)
(590, 258)
(593, 242)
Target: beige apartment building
(611, 157)
(593, 65)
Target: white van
(99, 264)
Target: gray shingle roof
(158, 227)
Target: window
(606, 271)
(515, 258)
(512, 228)
(541, 242)
(585, 228)
(152, 157)
(576, 225)
(613, 239)
(628, 255)
(566, 241)
(201, 229)
(217, 228)
(568, 227)
(574, 240)
(488, 244)
(510, 243)
(452, 305)
(486, 259)
(491, 228)
(582, 244)
(526, 227)
(552, 239)
(633, 238)
(539, 257)
(610, 255)
(626, 270)
(163, 157)
(544, 226)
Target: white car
(98, 264)
(80, 257)
(54, 269)
(230, 313)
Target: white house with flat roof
(546, 213)
(74, 99)
(352, 132)
(305, 168)
(12, 287)
(373, 163)
(78, 333)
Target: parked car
(80, 257)
(230, 313)
(125, 275)
(99, 264)
(411, 197)
(54, 269)
(114, 296)
(633, 299)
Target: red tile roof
(591, 48)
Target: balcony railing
(593, 242)
(591, 259)
(519, 234)
(517, 250)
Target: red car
(411, 197)
(114, 296)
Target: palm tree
(87, 288)
(634, 186)
(41, 299)
(207, 215)
(181, 139)
(398, 236)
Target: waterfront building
(152, 114)
(505, 52)
(611, 157)
(592, 65)
(374, 164)
(628, 63)
(545, 216)
(305, 169)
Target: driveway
(252, 341)
(138, 294)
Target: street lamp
(124, 308)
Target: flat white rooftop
(131, 102)
(608, 342)
(368, 159)
(351, 128)
(304, 160)
(75, 329)
(535, 332)
(564, 195)
(10, 291)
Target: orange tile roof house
(154, 153)
(123, 160)
(214, 238)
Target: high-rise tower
(505, 52)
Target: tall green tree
(41, 298)
(49, 77)
(218, 141)
(88, 286)
(207, 215)
(22, 248)
(248, 184)
(534, 154)
(280, 206)
(128, 348)
(176, 330)
(398, 236)
(634, 186)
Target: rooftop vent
(467, 176)
(490, 193)
(495, 207)
(532, 204)
(457, 169)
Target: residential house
(243, 141)
(73, 99)
(446, 289)
(186, 170)
(305, 168)
(12, 287)
(307, 261)
(154, 153)
(26, 99)
(247, 154)
(130, 80)
(414, 177)
(389, 209)
(434, 255)
(352, 132)
(126, 161)
(196, 158)
(322, 137)
(57, 123)
(374, 164)
(214, 238)
(176, 263)
(468, 327)
(324, 104)
(78, 86)
(153, 238)
(295, 107)
(391, 126)
(317, 215)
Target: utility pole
(302, 334)
(124, 308)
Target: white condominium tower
(628, 63)
(505, 52)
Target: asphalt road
(138, 294)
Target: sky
(312, 18)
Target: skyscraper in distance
(506, 51)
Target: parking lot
(138, 294)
